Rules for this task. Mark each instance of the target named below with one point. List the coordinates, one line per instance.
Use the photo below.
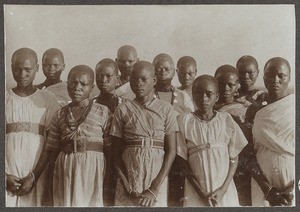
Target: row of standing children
(125, 158)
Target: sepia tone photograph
(150, 105)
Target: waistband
(80, 145)
(206, 146)
(25, 127)
(146, 142)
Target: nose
(276, 79)
(227, 88)
(205, 98)
(23, 73)
(103, 79)
(246, 75)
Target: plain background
(213, 34)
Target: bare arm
(149, 196)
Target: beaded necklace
(71, 121)
(174, 95)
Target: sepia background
(213, 34)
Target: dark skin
(276, 79)
(24, 67)
(205, 95)
(80, 85)
(186, 70)
(142, 84)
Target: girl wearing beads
(210, 142)
(28, 114)
(76, 143)
(144, 144)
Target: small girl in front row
(210, 142)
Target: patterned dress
(208, 147)
(133, 121)
(78, 177)
(23, 148)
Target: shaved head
(186, 61)
(143, 65)
(127, 50)
(277, 62)
(82, 70)
(161, 58)
(247, 60)
(107, 62)
(24, 53)
(205, 79)
(53, 52)
(226, 69)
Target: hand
(216, 197)
(277, 198)
(147, 198)
(12, 183)
(135, 194)
(27, 185)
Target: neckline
(23, 97)
(174, 95)
(206, 121)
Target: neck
(49, 82)
(247, 89)
(164, 86)
(147, 98)
(109, 95)
(24, 91)
(187, 87)
(227, 101)
(273, 97)
(82, 103)
(205, 115)
(124, 79)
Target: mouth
(76, 95)
(275, 87)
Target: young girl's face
(186, 75)
(79, 86)
(205, 95)
(228, 87)
(142, 83)
(24, 69)
(247, 74)
(164, 70)
(53, 66)
(106, 78)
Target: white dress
(22, 149)
(208, 147)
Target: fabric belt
(74, 146)
(25, 127)
(206, 146)
(146, 143)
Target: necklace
(174, 94)
(71, 121)
(197, 113)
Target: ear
(176, 70)
(63, 67)
(154, 80)
(217, 97)
(116, 59)
(37, 67)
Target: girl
(77, 139)
(210, 142)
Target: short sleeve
(53, 137)
(117, 124)
(188, 103)
(52, 107)
(182, 150)
(237, 140)
(171, 125)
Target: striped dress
(78, 178)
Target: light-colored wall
(214, 35)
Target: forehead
(277, 67)
(52, 57)
(79, 75)
(227, 77)
(186, 67)
(205, 85)
(163, 62)
(145, 72)
(23, 59)
(127, 54)
(105, 68)
(243, 66)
